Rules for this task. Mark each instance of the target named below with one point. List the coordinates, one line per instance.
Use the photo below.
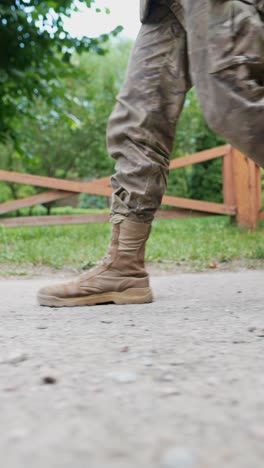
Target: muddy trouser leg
(142, 126)
(226, 56)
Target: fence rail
(241, 193)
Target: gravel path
(174, 384)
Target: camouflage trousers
(217, 46)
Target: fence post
(247, 190)
(228, 178)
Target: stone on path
(177, 457)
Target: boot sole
(130, 296)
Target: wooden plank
(100, 186)
(54, 219)
(173, 214)
(191, 209)
(202, 156)
(95, 187)
(255, 178)
(37, 199)
(237, 181)
(198, 205)
(228, 179)
(88, 218)
(259, 188)
(246, 190)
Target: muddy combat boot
(120, 278)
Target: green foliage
(49, 146)
(205, 181)
(178, 183)
(35, 53)
(52, 147)
(201, 181)
(92, 201)
(11, 159)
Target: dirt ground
(174, 384)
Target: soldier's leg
(141, 133)
(142, 127)
(226, 52)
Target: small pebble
(148, 362)
(169, 392)
(49, 380)
(15, 358)
(166, 377)
(124, 377)
(177, 458)
(10, 389)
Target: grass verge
(196, 242)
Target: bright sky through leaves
(90, 23)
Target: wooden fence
(241, 193)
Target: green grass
(195, 242)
